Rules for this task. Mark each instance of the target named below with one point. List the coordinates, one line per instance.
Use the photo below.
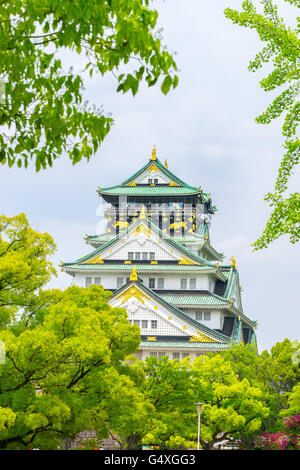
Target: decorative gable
(152, 173)
(155, 318)
(140, 238)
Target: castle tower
(157, 259)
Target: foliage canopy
(282, 50)
(42, 112)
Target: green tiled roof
(194, 300)
(140, 267)
(148, 190)
(231, 283)
(162, 168)
(159, 190)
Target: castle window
(183, 283)
(155, 181)
(119, 282)
(130, 255)
(176, 356)
(151, 255)
(160, 283)
(145, 324)
(144, 256)
(185, 354)
(138, 255)
(153, 353)
(152, 283)
(206, 315)
(88, 281)
(137, 322)
(150, 181)
(199, 316)
(192, 283)
(97, 281)
(153, 324)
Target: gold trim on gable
(201, 338)
(97, 260)
(177, 225)
(141, 229)
(121, 224)
(152, 168)
(151, 338)
(185, 260)
(133, 292)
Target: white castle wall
(145, 245)
(163, 327)
(171, 281)
(143, 354)
(216, 317)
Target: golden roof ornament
(153, 156)
(142, 213)
(166, 164)
(133, 275)
(233, 262)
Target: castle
(157, 259)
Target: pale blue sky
(206, 130)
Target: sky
(206, 130)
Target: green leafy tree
(65, 351)
(275, 372)
(160, 407)
(169, 388)
(282, 50)
(232, 407)
(294, 400)
(42, 113)
(24, 267)
(58, 374)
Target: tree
(276, 373)
(294, 400)
(58, 374)
(169, 388)
(162, 406)
(41, 105)
(282, 49)
(232, 407)
(65, 350)
(24, 267)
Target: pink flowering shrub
(292, 422)
(290, 439)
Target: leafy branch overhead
(42, 113)
(282, 50)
